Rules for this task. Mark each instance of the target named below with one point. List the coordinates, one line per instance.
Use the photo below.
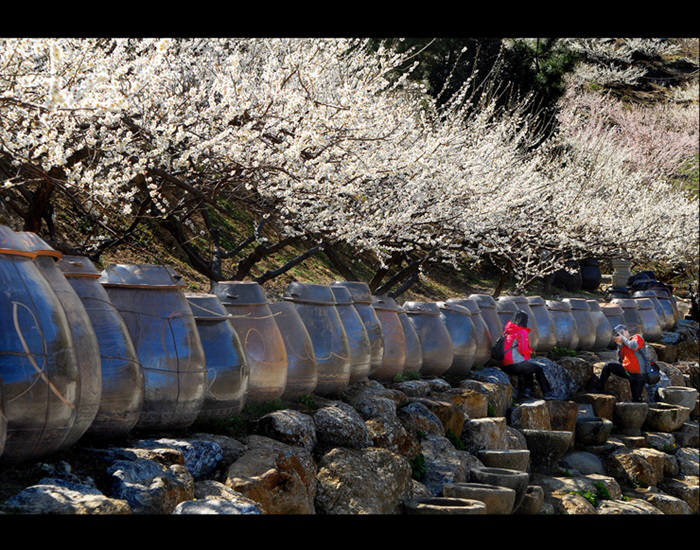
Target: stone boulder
(667, 504)
(413, 388)
(451, 416)
(339, 425)
(580, 370)
(562, 414)
(562, 383)
(214, 506)
(632, 467)
(594, 483)
(661, 441)
(513, 439)
(691, 373)
(685, 488)
(438, 385)
(214, 490)
(688, 435)
(150, 487)
(631, 506)
(615, 385)
(688, 461)
(201, 456)
(569, 504)
(231, 449)
(665, 351)
(58, 496)
(532, 414)
(443, 463)
(280, 477)
(389, 433)
(362, 481)
(499, 396)
(492, 375)
(420, 420)
(583, 462)
(484, 434)
(603, 404)
(290, 427)
(473, 404)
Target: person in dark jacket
(516, 360)
(632, 363)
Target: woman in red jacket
(516, 360)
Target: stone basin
(593, 430)
(503, 477)
(512, 459)
(679, 395)
(665, 417)
(547, 448)
(533, 500)
(498, 500)
(628, 417)
(444, 505)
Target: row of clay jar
(84, 352)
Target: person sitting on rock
(632, 363)
(516, 360)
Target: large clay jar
(458, 322)
(487, 308)
(652, 326)
(506, 311)
(669, 306)
(362, 300)
(122, 376)
(87, 351)
(614, 314)
(665, 321)
(165, 336)
(435, 341)
(315, 305)
(482, 335)
(547, 338)
(603, 330)
(262, 342)
(522, 304)
(414, 353)
(630, 314)
(565, 327)
(38, 368)
(394, 356)
(302, 369)
(585, 327)
(227, 371)
(358, 340)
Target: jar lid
(535, 300)
(385, 303)
(421, 308)
(12, 244)
(555, 305)
(137, 276)
(611, 309)
(483, 300)
(239, 293)
(456, 308)
(78, 266)
(468, 303)
(358, 290)
(36, 244)
(577, 303)
(625, 303)
(593, 305)
(309, 293)
(644, 303)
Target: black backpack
(498, 350)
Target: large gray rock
(514, 439)
(632, 467)
(631, 506)
(438, 385)
(586, 463)
(688, 435)
(413, 388)
(420, 420)
(490, 374)
(362, 481)
(150, 487)
(201, 456)
(290, 427)
(58, 496)
(688, 461)
(685, 488)
(231, 449)
(580, 370)
(280, 477)
(499, 395)
(562, 384)
(389, 433)
(661, 441)
(666, 503)
(443, 463)
(340, 425)
(213, 506)
(532, 414)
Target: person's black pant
(527, 371)
(637, 381)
